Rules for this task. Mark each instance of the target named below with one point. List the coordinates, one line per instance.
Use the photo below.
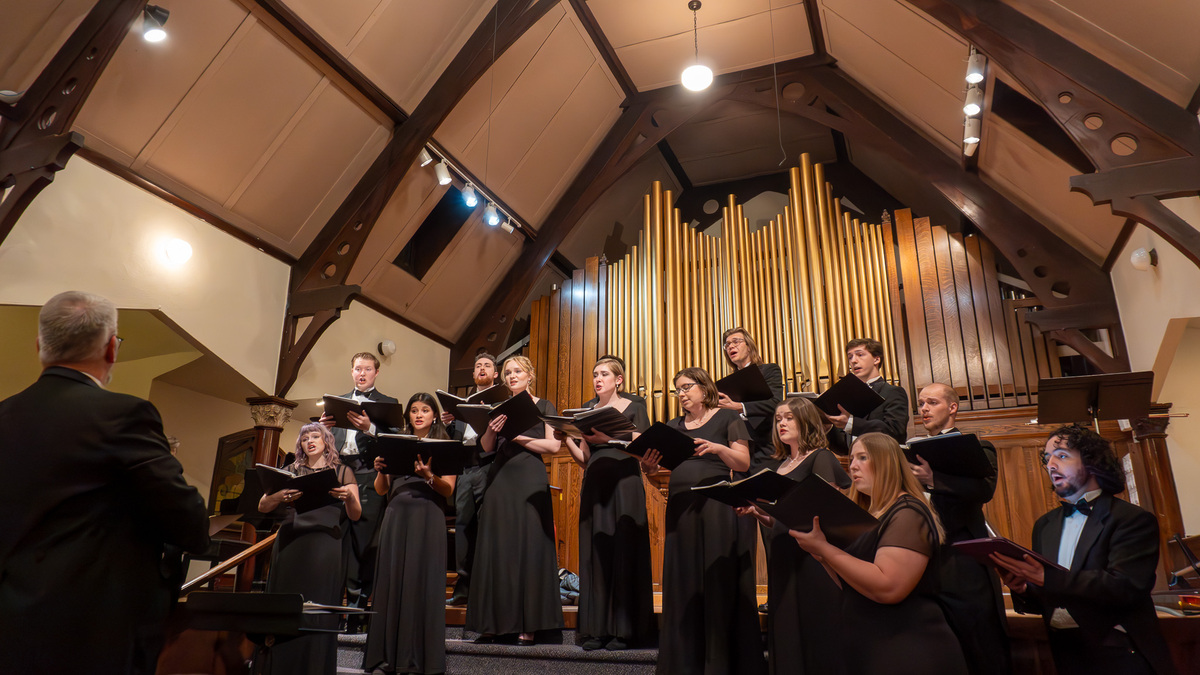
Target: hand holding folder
(842, 520)
(672, 445)
(400, 452)
(520, 411)
(314, 487)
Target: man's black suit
(90, 496)
(1109, 584)
(890, 417)
(362, 542)
(971, 595)
(468, 499)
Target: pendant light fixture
(696, 77)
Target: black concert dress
(710, 622)
(514, 586)
(307, 559)
(408, 632)
(804, 630)
(910, 637)
(616, 589)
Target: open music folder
(764, 486)
(842, 520)
(980, 549)
(955, 454)
(314, 487)
(606, 420)
(746, 384)
(856, 396)
(673, 445)
(383, 414)
(521, 411)
(400, 451)
(490, 396)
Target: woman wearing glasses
(741, 351)
(709, 621)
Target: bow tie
(1082, 506)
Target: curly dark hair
(1097, 455)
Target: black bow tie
(1082, 506)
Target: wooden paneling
(935, 327)
(914, 306)
(973, 359)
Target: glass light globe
(697, 77)
(155, 35)
(177, 252)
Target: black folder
(766, 486)
(400, 452)
(842, 520)
(672, 444)
(314, 487)
(522, 414)
(607, 420)
(490, 396)
(384, 414)
(337, 407)
(856, 396)
(747, 384)
(955, 454)
(980, 549)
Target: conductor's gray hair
(74, 326)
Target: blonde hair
(526, 365)
(615, 367)
(892, 477)
(809, 424)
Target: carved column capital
(270, 412)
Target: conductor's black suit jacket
(1110, 579)
(90, 497)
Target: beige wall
(90, 230)
(1156, 307)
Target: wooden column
(1162, 496)
(270, 414)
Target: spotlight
(469, 197)
(508, 226)
(177, 252)
(426, 158)
(974, 103)
(153, 20)
(971, 130)
(443, 172)
(975, 66)
(491, 216)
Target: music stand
(1112, 396)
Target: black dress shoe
(592, 644)
(485, 639)
(457, 599)
(616, 644)
(526, 642)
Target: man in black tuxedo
(865, 356)
(468, 490)
(970, 594)
(91, 501)
(740, 352)
(1098, 611)
(362, 542)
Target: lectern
(1091, 398)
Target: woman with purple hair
(307, 557)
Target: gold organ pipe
(801, 272)
(658, 360)
(777, 326)
(679, 323)
(830, 284)
(847, 301)
(820, 336)
(764, 297)
(714, 301)
(782, 315)
(752, 257)
(855, 281)
(876, 290)
(697, 305)
(885, 304)
(668, 241)
(839, 281)
(794, 312)
(869, 258)
(865, 278)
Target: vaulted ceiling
(266, 114)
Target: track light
(696, 77)
(442, 172)
(975, 66)
(508, 226)
(490, 215)
(971, 130)
(974, 103)
(426, 158)
(153, 20)
(469, 196)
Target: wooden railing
(223, 567)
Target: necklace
(791, 463)
(700, 421)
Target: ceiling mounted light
(696, 77)
(508, 226)
(971, 130)
(153, 20)
(442, 172)
(974, 103)
(425, 157)
(469, 196)
(490, 215)
(975, 66)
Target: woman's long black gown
(307, 559)
(710, 622)
(616, 589)
(910, 637)
(804, 628)
(514, 586)
(408, 633)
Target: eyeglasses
(684, 388)
(734, 341)
(119, 340)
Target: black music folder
(842, 520)
(766, 486)
(314, 487)
(856, 396)
(980, 549)
(955, 454)
(607, 420)
(522, 414)
(400, 452)
(1112, 396)
(746, 384)
(490, 396)
(383, 414)
(672, 444)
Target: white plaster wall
(90, 230)
(1183, 434)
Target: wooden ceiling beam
(607, 52)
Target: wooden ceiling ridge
(317, 285)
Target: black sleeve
(891, 417)
(637, 414)
(972, 490)
(827, 466)
(774, 378)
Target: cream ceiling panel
(156, 75)
(312, 170)
(567, 141)
(233, 115)
(628, 22)
(31, 33)
(1153, 42)
(408, 207)
(925, 103)
(337, 22)
(393, 288)
(1038, 181)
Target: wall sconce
(153, 20)
(177, 252)
(1142, 260)
(386, 348)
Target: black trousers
(468, 498)
(1117, 655)
(362, 541)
